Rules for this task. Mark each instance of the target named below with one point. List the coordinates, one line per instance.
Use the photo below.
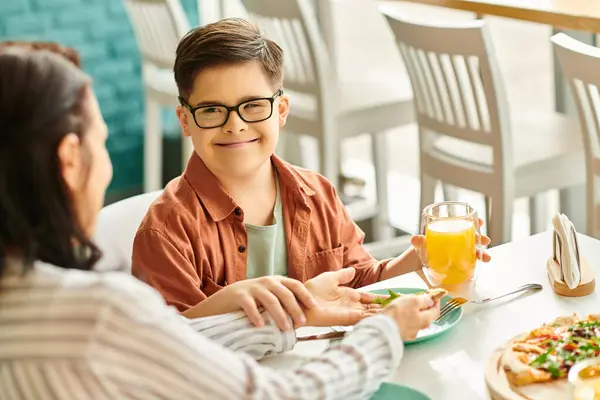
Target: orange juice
(451, 250)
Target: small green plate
(436, 328)
(391, 391)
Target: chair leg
(152, 147)
(329, 163)
(500, 208)
(538, 213)
(450, 192)
(383, 230)
(428, 185)
(487, 211)
(572, 205)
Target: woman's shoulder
(105, 289)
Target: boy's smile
(237, 149)
(236, 144)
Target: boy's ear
(182, 116)
(284, 109)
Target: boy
(238, 211)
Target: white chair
(580, 64)
(158, 26)
(116, 229)
(214, 10)
(467, 137)
(329, 107)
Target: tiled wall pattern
(101, 32)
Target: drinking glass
(451, 231)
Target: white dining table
(451, 366)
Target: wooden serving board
(500, 389)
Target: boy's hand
(418, 242)
(336, 304)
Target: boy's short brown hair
(228, 41)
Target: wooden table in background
(581, 15)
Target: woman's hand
(413, 313)
(280, 296)
(336, 304)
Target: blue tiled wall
(100, 30)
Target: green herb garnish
(385, 302)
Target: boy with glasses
(241, 227)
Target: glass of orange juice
(451, 232)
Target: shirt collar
(219, 203)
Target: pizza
(546, 354)
(435, 293)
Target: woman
(68, 332)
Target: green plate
(435, 329)
(391, 391)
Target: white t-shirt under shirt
(267, 251)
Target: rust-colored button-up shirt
(192, 242)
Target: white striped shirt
(67, 334)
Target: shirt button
(237, 211)
(242, 248)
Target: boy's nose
(235, 124)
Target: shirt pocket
(326, 260)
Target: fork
(458, 302)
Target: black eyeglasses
(216, 115)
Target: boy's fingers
(345, 275)
(418, 241)
(288, 300)
(369, 298)
(251, 309)
(271, 303)
(301, 292)
(483, 240)
(483, 256)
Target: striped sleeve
(144, 350)
(235, 332)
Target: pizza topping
(565, 347)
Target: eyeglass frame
(236, 108)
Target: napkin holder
(562, 247)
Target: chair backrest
(458, 94)
(158, 26)
(580, 64)
(213, 10)
(310, 79)
(292, 24)
(116, 229)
